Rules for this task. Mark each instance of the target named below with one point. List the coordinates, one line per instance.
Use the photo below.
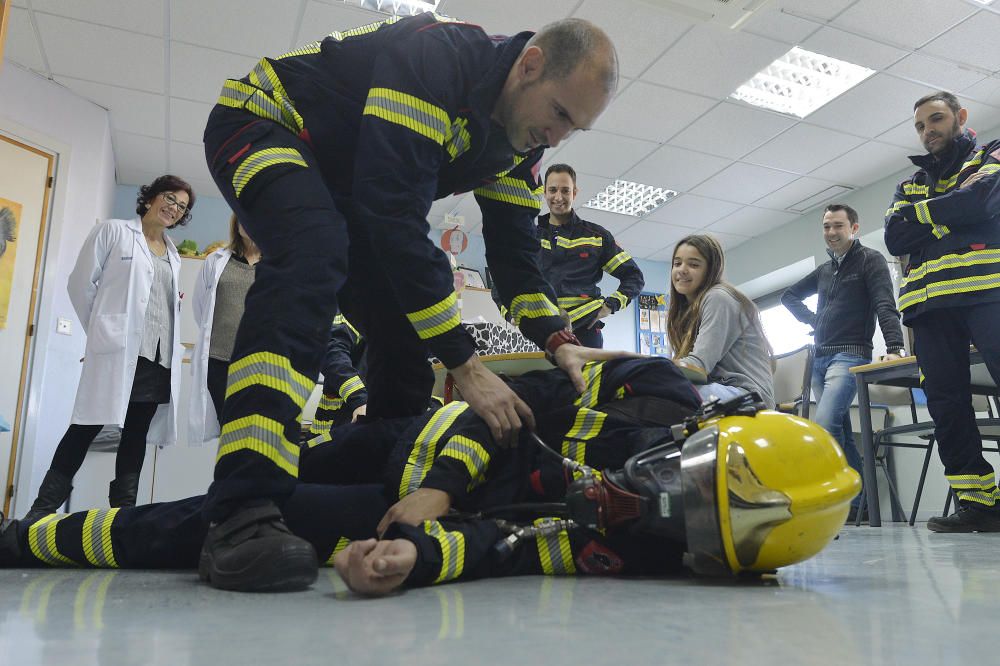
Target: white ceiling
(157, 66)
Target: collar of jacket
(962, 145)
(543, 220)
(855, 244)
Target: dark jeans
(73, 446)
(216, 380)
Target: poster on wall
(10, 219)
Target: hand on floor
(376, 567)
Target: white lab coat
(203, 422)
(109, 288)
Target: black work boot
(254, 551)
(10, 548)
(54, 490)
(123, 491)
(968, 518)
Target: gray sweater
(730, 348)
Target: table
(905, 373)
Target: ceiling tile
(139, 153)
(130, 110)
(197, 73)
(322, 18)
(587, 186)
(858, 50)
(144, 16)
(604, 154)
(904, 136)
(188, 161)
(616, 223)
(973, 42)
(645, 238)
(729, 241)
(803, 148)
(886, 100)
(510, 16)
(187, 120)
(865, 164)
(744, 183)
(676, 168)
(776, 24)
(986, 91)
(816, 9)
(137, 176)
(204, 188)
(751, 221)
(691, 211)
(713, 62)
(793, 193)
(639, 32)
(95, 53)
(21, 46)
(912, 26)
(732, 130)
(258, 28)
(630, 113)
(936, 73)
(982, 117)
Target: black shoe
(10, 548)
(967, 519)
(54, 490)
(123, 491)
(254, 551)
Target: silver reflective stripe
(299, 392)
(403, 109)
(271, 440)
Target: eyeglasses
(172, 201)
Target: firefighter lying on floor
(728, 490)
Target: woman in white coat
(218, 298)
(124, 288)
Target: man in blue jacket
(331, 155)
(854, 290)
(943, 219)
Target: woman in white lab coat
(218, 298)
(124, 288)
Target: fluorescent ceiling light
(628, 198)
(397, 7)
(800, 82)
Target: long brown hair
(684, 313)
(237, 245)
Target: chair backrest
(792, 374)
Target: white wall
(50, 116)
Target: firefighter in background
(344, 394)
(944, 218)
(732, 490)
(576, 253)
(331, 155)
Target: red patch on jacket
(584, 255)
(598, 560)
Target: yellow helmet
(762, 492)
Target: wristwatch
(557, 340)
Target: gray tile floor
(896, 595)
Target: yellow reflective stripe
(583, 241)
(964, 260)
(341, 320)
(260, 160)
(578, 313)
(621, 298)
(987, 499)
(513, 191)
(264, 76)
(263, 436)
(592, 377)
(365, 29)
(97, 546)
(471, 454)
(947, 287)
(554, 552)
(308, 49)
(586, 425)
(410, 112)
(532, 306)
(912, 189)
(329, 403)
(990, 169)
(42, 540)
(322, 438)
(436, 319)
(616, 261)
(452, 550)
(351, 386)
(273, 371)
(342, 543)
(567, 302)
(264, 101)
(894, 208)
(546, 244)
(458, 139)
(971, 480)
(425, 446)
(945, 184)
(924, 217)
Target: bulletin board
(651, 324)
